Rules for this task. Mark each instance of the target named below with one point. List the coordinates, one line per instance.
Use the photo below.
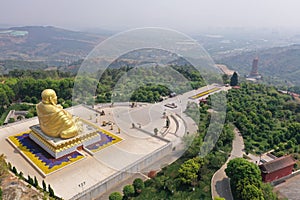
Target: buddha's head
(49, 97)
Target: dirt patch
(14, 189)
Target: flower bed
(107, 139)
(39, 157)
(201, 94)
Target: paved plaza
(136, 143)
(290, 188)
(91, 169)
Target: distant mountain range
(280, 62)
(40, 47)
(46, 43)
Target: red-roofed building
(276, 169)
(236, 87)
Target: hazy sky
(187, 15)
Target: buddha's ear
(51, 100)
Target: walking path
(220, 185)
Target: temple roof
(277, 164)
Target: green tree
(34, 100)
(244, 176)
(2, 160)
(27, 99)
(138, 185)
(234, 79)
(225, 78)
(11, 120)
(36, 183)
(44, 186)
(21, 175)
(251, 192)
(239, 169)
(30, 180)
(29, 115)
(188, 171)
(60, 100)
(0, 193)
(128, 191)
(3, 166)
(14, 170)
(115, 196)
(50, 190)
(268, 193)
(4, 99)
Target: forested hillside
(267, 119)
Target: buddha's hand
(79, 124)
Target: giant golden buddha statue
(54, 120)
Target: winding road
(220, 185)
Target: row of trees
(129, 190)
(33, 181)
(4, 167)
(21, 84)
(122, 84)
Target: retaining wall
(103, 186)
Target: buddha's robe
(55, 121)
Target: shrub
(14, 170)
(138, 185)
(128, 191)
(115, 196)
(35, 183)
(44, 186)
(51, 192)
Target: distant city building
(254, 75)
(276, 169)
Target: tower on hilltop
(254, 71)
(254, 75)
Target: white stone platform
(95, 169)
(58, 147)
